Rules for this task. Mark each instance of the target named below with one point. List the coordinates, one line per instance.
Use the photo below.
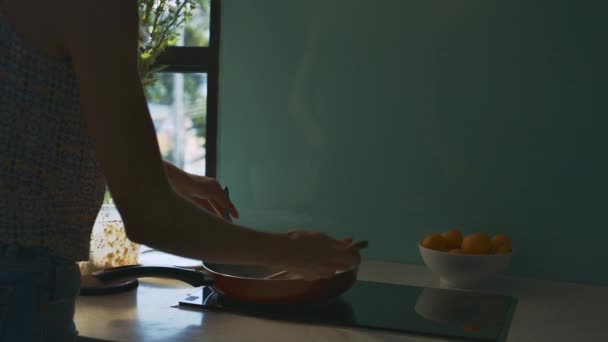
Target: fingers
(317, 255)
(312, 272)
(219, 198)
(231, 210)
(354, 258)
(207, 205)
(345, 242)
(209, 190)
(203, 203)
(218, 210)
(345, 259)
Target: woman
(74, 118)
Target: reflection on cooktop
(336, 310)
(452, 314)
(467, 310)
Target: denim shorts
(37, 295)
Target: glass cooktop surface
(452, 314)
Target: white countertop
(546, 311)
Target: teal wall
(388, 119)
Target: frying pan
(243, 283)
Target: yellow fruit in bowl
(476, 244)
(435, 242)
(454, 238)
(471, 327)
(499, 240)
(503, 249)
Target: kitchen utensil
(243, 283)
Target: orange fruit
(503, 249)
(471, 327)
(499, 240)
(456, 251)
(435, 242)
(454, 237)
(477, 244)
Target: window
(184, 101)
(178, 106)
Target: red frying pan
(244, 283)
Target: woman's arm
(102, 40)
(103, 46)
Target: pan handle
(192, 277)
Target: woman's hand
(314, 255)
(204, 191)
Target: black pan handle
(192, 277)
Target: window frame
(205, 59)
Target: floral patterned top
(51, 184)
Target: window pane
(196, 31)
(177, 104)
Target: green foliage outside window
(160, 24)
(195, 34)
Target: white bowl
(464, 270)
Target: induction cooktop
(452, 314)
